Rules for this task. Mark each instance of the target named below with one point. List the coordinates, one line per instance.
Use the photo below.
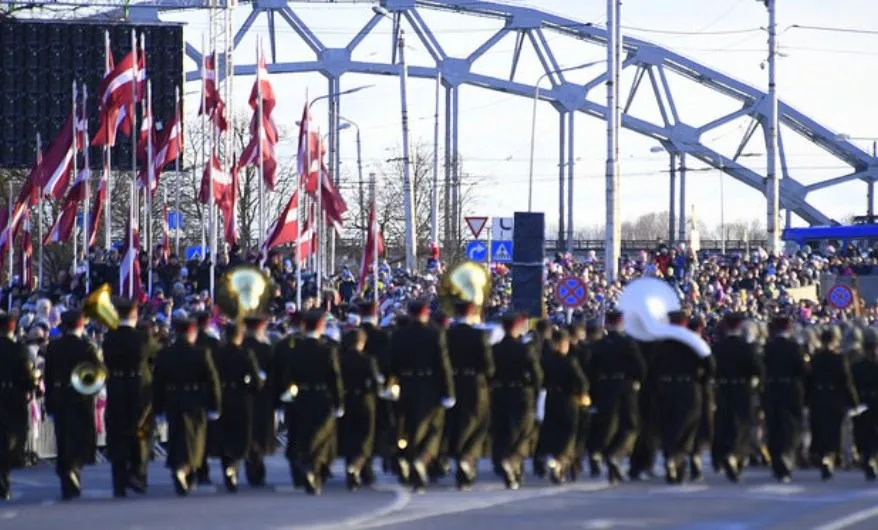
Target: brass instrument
(99, 306)
(243, 292)
(468, 282)
(88, 378)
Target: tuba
(99, 306)
(243, 292)
(645, 304)
(88, 378)
(468, 282)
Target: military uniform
(469, 350)
(865, 374)
(378, 348)
(16, 384)
(186, 388)
(264, 432)
(129, 354)
(73, 413)
(211, 344)
(357, 427)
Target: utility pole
(772, 191)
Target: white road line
(401, 498)
(8, 514)
(31, 483)
(463, 506)
(849, 521)
(777, 489)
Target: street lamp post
(360, 192)
(870, 193)
(533, 124)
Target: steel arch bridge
(649, 61)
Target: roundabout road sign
(571, 292)
(840, 296)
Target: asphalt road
(758, 503)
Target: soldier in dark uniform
(542, 337)
(312, 365)
(187, 391)
(469, 350)
(283, 358)
(643, 456)
(73, 413)
(616, 373)
(518, 377)
(566, 393)
(831, 394)
(739, 373)
(357, 427)
(129, 354)
(17, 382)
(378, 348)
(783, 398)
(238, 371)
(583, 335)
(208, 340)
(865, 374)
(679, 372)
(264, 434)
(419, 361)
(704, 438)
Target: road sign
(476, 225)
(502, 228)
(175, 220)
(501, 251)
(840, 296)
(571, 292)
(195, 253)
(477, 251)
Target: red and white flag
(227, 205)
(62, 229)
(285, 227)
(374, 246)
(221, 181)
(310, 155)
(212, 103)
(97, 208)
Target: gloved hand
(160, 418)
(213, 415)
(447, 403)
(339, 413)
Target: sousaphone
(244, 291)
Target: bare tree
(654, 225)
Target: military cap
(611, 318)
(418, 308)
(367, 309)
(312, 320)
(72, 319)
(464, 308)
(7, 322)
(679, 318)
(255, 322)
(125, 308)
(184, 324)
(202, 318)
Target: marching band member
(238, 371)
(187, 392)
(17, 383)
(264, 435)
(865, 374)
(313, 378)
(419, 361)
(378, 348)
(209, 340)
(357, 427)
(129, 354)
(469, 350)
(73, 412)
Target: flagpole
(212, 203)
(40, 212)
(204, 143)
(108, 215)
(133, 186)
(320, 219)
(300, 204)
(150, 168)
(261, 133)
(10, 240)
(179, 121)
(86, 232)
(75, 171)
(374, 240)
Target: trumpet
(88, 378)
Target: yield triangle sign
(476, 225)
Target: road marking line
(849, 521)
(401, 498)
(777, 489)
(31, 483)
(8, 514)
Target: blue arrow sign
(501, 251)
(175, 220)
(476, 251)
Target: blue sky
(828, 75)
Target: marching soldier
(469, 350)
(282, 360)
(312, 377)
(705, 424)
(357, 427)
(187, 392)
(419, 361)
(865, 374)
(238, 371)
(378, 348)
(739, 372)
(264, 435)
(583, 336)
(831, 394)
(129, 354)
(518, 377)
(617, 372)
(566, 392)
(679, 372)
(73, 413)
(783, 400)
(208, 340)
(17, 382)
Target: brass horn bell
(467, 282)
(88, 378)
(243, 292)
(99, 306)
